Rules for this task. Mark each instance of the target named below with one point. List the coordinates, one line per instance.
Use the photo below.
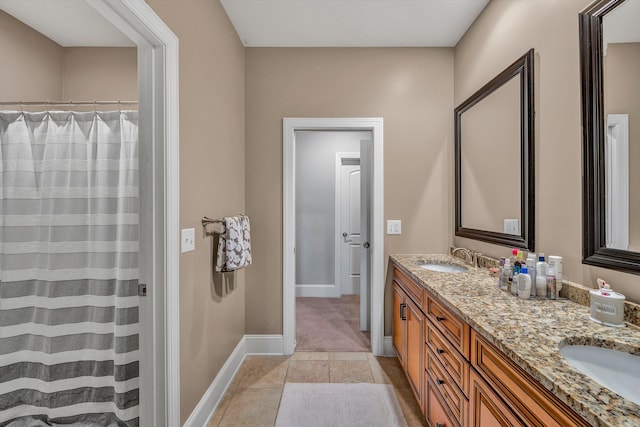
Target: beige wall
(100, 73)
(31, 63)
(503, 32)
(622, 96)
(211, 183)
(412, 89)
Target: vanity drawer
(451, 394)
(434, 409)
(526, 396)
(454, 329)
(412, 289)
(452, 361)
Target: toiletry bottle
(541, 277)
(519, 262)
(556, 262)
(513, 257)
(501, 268)
(531, 267)
(551, 283)
(507, 276)
(524, 283)
(514, 282)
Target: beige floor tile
(350, 371)
(410, 408)
(252, 407)
(308, 371)
(261, 371)
(348, 355)
(220, 410)
(387, 370)
(310, 355)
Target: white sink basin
(443, 268)
(616, 370)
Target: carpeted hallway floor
(330, 324)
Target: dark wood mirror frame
(523, 67)
(594, 250)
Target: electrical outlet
(512, 226)
(394, 226)
(188, 240)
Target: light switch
(188, 240)
(512, 226)
(394, 226)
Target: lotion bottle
(541, 277)
(524, 284)
(531, 267)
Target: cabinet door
(415, 346)
(398, 322)
(487, 409)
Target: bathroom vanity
(477, 356)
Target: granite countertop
(531, 332)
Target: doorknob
(366, 245)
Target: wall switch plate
(512, 226)
(394, 226)
(188, 240)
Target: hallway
(330, 324)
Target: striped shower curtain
(69, 269)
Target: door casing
(290, 126)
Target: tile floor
(253, 397)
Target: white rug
(337, 405)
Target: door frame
(340, 157)
(290, 126)
(159, 255)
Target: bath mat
(336, 405)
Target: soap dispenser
(607, 306)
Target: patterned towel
(234, 246)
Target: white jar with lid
(607, 306)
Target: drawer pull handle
(403, 316)
(439, 381)
(440, 351)
(440, 319)
(439, 425)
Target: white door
(366, 182)
(349, 227)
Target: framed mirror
(494, 160)
(610, 66)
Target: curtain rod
(70, 102)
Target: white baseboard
(211, 398)
(265, 344)
(387, 346)
(318, 291)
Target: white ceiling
(278, 23)
(69, 23)
(352, 23)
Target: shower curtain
(69, 269)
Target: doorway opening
(329, 292)
(326, 274)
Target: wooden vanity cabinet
(458, 377)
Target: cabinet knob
(440, 319)
(440, 351)
(439, 381)
(403, 315)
